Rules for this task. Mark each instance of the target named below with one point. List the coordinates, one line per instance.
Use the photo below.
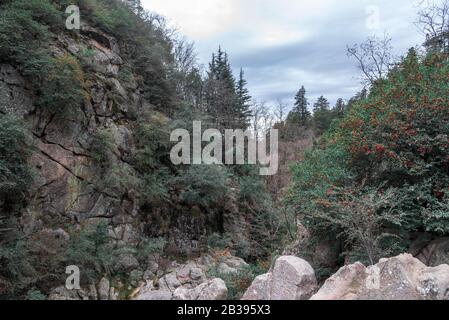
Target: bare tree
(433, 21)
(262, 119)
(433, 17)
(280, 111)
(374, 58)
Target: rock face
(291, 278)
(399, 278)
(433, 253)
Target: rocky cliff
(72, 191)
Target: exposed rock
(126, 262)
(291, 278)
(214, 289)
(399, 278)
(62, 293)
(5, 286)
(260, 289)
(103, 289)
(434, 253)
(14, 95)
(160, 295)
(169, 282)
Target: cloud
(284, 44)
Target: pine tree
(340, 108)
(243, 101)
(322, 115)
(300, 109)
(321, 105)
(136, 6)
(225, 103)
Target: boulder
(260, 289)
(126, 262)
(291, 278)
(103, 289)
(156, 295)
(399, 278)
(214, 289)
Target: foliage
(218, 241)
(15, 149)
(25, 33)
(381, 173)
(204, 185)
(35, 294)
(300, 114)
(90, 250)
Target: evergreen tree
(243, 100)
(322, 115)
(300, 110)
(321, 105)
(226, 99)
(136, 6)
(340, 108)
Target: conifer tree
(340, 108)
(322, 115)
(243, 101)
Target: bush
(91, 251)
(15, 149)
(61, 89)
(219, 241)
(204, 185)
(35, 294)
(25, 42)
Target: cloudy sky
(283, 44)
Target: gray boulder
(399, 278)
(291, 278)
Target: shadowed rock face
(399, 278)
(291, 278)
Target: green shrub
(25, 42)
(219, 241)
(204, 185)
(15, 149)
(90, 249)
(35, 294)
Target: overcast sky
(283, 44)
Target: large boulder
(214, 289)
(157, 295)
(291, 278)
(399, 278)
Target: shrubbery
(25, 34)
(383, 169)
(15, 148)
